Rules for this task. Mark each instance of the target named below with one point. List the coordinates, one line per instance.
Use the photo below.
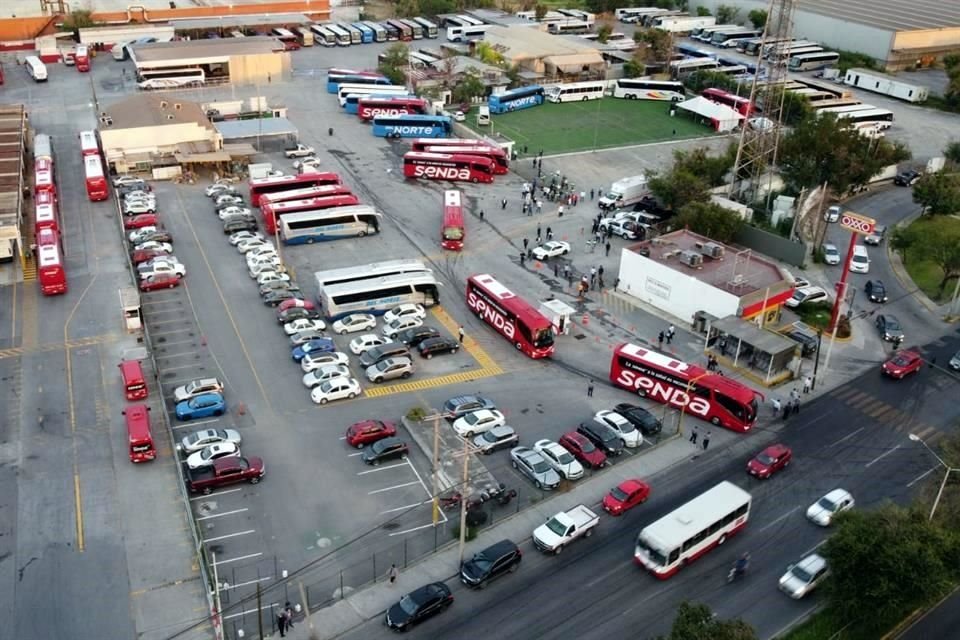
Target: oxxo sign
(857, 223)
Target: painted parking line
(881, 457)
(396, 486)
(412, 529)
(469, 344)
(387, 468)
(922, 476)
(238, 559)
(405, 507)
(354, 455)
(194, 423)
(433, 383)
(179, 342)
(215, 493)
(230, 535)
(244, 584)
(220, 515)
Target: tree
(903, 239)
(485, 52)
(513, 76)
(541, 11)
(678, 188)
(407, 8)
(711, 169)
(938, 193)
(78, 19)
(436, 7)
(940, 244)
(758, 18)
(703, 11)
(727, 14)
(395, 59)
(469, 86)
(696, 621)
(634, 67)
(603, 32)
(710, 220)
(700, 80)
(659, 43)
(952, 152)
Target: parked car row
(150, 245)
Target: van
(860, 262)
(133, 383)
(139, 438)
(372, 356)
(36, 69)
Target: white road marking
(194, 423)
(847, 437)
(778, 519)
(246, 557)
(396, 486)
(354, 455)
(881, 457)
(244, 584)
(220, 515)
(425, 490)
(426, 526)
(814, 547)
(405, 507)
(218, 493)
(392, 466)
(230, 535)
(922, 476)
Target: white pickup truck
(299, 151)
(565, 527)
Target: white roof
(689, 519)
(702, 106)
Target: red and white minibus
(271, 211)
(513, 318)
(82, 58)
(261, 186)
(50, 268)
(452, 231)
(43, 175)
(134, 384)
(139, 437)
(743, 106)
(446, 166)
(88, 143)
(96, 181)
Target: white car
(313, 361)
(803, 577)
(621, 227)
(232, 212)
(392, 329)
(133, 196)
(362, 344)
(249, 244)
(560, 459)
(153, 245)
(240, 236)
(354, 322)
(831, 255)
(551, 249)
(833, 214)
(197, 440)
(119, 181)
(135, 235)
(307, 163)
(629, 434)
(206, 456)
(227, 199)
(325, 373)
(805, 295)
(478, 422)
(823, 510)
(219, 188)
(303, 324)
(261, 250)
(459, 116)
(163, 267)
(131, 207)
(263, 265)
(266, 257)
(336, 389)
(404, 311)
(272, 276)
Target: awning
(208, 156)
(240, 150)
(574, 63)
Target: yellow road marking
(16, 352)
(79, 510)
(432, 383)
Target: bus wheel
(585, 98)
(715, 420)
(395, 136)
(518, 346)
(722, 539)
(309, 240)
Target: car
(320, 345)
(353, 323)
(201, 406)
(278, 296)
(769, 461)
(215, 451)
(478, 422)
(144, 255)
(264, 263)
(303, 324)
(551, 249)
(362, 344)
(907, 178)
(491, 563)
(404, 311)
(385, 449)
(902, 364)
(860, 260)
(808, 341)
(160, 281)
(196, 388)
(140, 232)
(629, 435)
(227, 199)
(153, 245)
(391, 329)
(413, 336)
(140, 221)
(459, 406)
(139, 195)
(496, 438)
(321, 374)
(240, 223)
(134, 207)
(390, 369)
(289, 315)
(875, 291)
(831, 255)
(642, 419)
(134, 187)
(533, 465)
(583, 449)
(559, 458)
(272, 276)
(121, 181)
(303, 337)
(319, 359)
(246, 245)
(604, 436)
(200, 439)
(280, 285)
(823, 510)
(311, 162)
(162, 268)
(231, 212)
(264, 250)
(155, 235)
(625, 496)
(954, 362)
(833, 213)
(439, 344)
(367, 432)
(803, 577)
(875, 238)
(219, 188)
(239, 236)
(418, 605)
(626, 229)
(459, 116)
(807, 295)
(336, 389)
(889, 328)
(296, 302)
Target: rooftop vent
(691, 258)
(712, 250)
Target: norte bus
(511, 316)
(344, 275)
(452, 229)
(522, 98)
(640, 89)
(96, 181)
(378, 295)
(501, 163)
(261, 186)
(307, 227)
(447, 166)
(379, 32)
(369, 107)
(271, 212)
(412, 126)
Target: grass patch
(595, 124)
(815, 315)
(926, 274)
(826, 624)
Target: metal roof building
(252, 60)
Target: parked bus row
(464, 160)
(51, 270)
(345, 34)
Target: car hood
(757, 467)
(470, 571)
(396, 616)
(611, 504)
(818, 514)
(792, 585)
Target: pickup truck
(299, 151)
(225, 471)
(565, 527)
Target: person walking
(590, 389)
(282, 623)
(523, 257)
(549, 233)
(556, 269)
(461, 333)
(776, 406)
(394, 573)
(568, 275)
(796, 406)
(706, 440)
(660, 340)
(794, 395)
(671, 331)
(539, 240)
(538, 229)
(600, 272)
(288, 611)
(539, 206)
(560, 211)
(591, 194)
(807, 384)
(607, 247)
(593, 276)
(503, 203)
(694, 434)
(526, 243)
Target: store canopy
(721, 118)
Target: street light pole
(936, 501)
(463, 499)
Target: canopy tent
(721, 118)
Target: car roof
(499, 548)
(776, 449)
(502, 431)
(813, 563)
(837, 494)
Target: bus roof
(304, 193)
(416, 277)
(451, 198)
(366, 271)
(509, 300)
(678, 526)
(467, 150)
(259, 182)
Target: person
(393, 573)
(503, 203)
(807, 384)
(330, 131)
(523, 257)
(460, 333)
(481, 214)
(549, 233)
(288, 613)
(560, 211)
(590, 389)
(607, 247)
(282, 622)
(743, 562)
(776, 405)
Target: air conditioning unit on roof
(712, 250)
(691, 258)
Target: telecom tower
(757, 152)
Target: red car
(160, 281)
(769, 461)
(146, 254)
(294, 302)
(626, 495)
(583, 450)
(141, 220)
(902, 364)
(368, 432)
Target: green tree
(700, 80)
(78, 19)
(711, 169)
(603, 32)
(436, 7)
(513, 76)
(727, 14)
(659, 43)
(696, 621)
(758, 18)
(395, 59)
(709, 219)
(940, 244)
(406, 8)
(634, 67)
(485, 52)
(541, 11)
(470, 86)
(903, 239)
(677, 188)
(952, 152)
(703, 11)
(938, 193)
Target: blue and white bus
(514, 99)
(366, 33)
(352, 102)
(379, 295)
(430, 30)
(334, 80)
(318, 225)
(412, 126)
(379, 33)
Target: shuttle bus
(452, 229)
(343, 37)
(879, 119)
(721, 38)
(50, 267)
(510, 315)
(412, 126)
(370, 107)
(346, 275)
(88, 143)
(261, 186)
(379, 295)
(640, 89)
(366, 33)
(447, 166)
(576, 91)
(430, 30)
(568, 26)
(813, 61)
(683, 68)
(501, 163)
(416, 29)
(406, 33)
(514, 99)
(307, 227)
(743, 106)
(274, 212)
(177, 78)
(95, 179)
(466, 33)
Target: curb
(900, 272)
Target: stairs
(29, 269)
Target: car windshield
(826, 503)
(472, 418)
(408, 604)
(892, 323)
(626, 427)
(618, 494)
(482, 563)
(764, 459)
(801, 574)
(491, 436)
(902, 360)
(563, 456)
(587, 447)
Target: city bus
(351, 103)
(274, 212)
(379, 32)
(688, 532)
(406, 33)
(510, 315)
(785, 51)
(813, 61)
(452, 229)
(307, 227)
(522, 98)
(466, 33)
(305, 36)
(355, 78)
(721, 38)
(356, 36)
(430, 30)
(370, 107)
(95, 179)
(692, 51)
(88, 143)
(753, 47)
(366, 33)
(324, 36)
(46, 217)
(683, 68)
(343, 37)
(640, 89)
(501, 163)
(743, 106)
(261, 186)
(379, 295)
(447, 166)
(368, 89)
(346, 275)
(412, 126)
(304, 194)
(416, 29)
(50, 267)
(575, 91)
(720, 400)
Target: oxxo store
(252, 60)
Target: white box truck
(624, 192)
(684, 24)
(885, 84)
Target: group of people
(285, 619)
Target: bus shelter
(758, 352)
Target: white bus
(880, 119)
(429, 29)
(307, 227)
(682, 68)
(379, 33)
(305, 36)
(635, 14)
(464, 19)
(575, 91)
(813, 61)
(324, 35)
(692, 529)
(369, 90)
(783, 50)
(171, 78)
(379, 295)
(569, 25)
(342, 35)
(466, 33)
(703, 34)
(346, 275)
(640, 89)
(733, 70)
(725, 38)
(35, 68)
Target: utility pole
(436, 466)
(463, 500)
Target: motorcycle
(451, 502)
(500, 493)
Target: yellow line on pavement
(16, 352)
(79, 510)
(432, 383)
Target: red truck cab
(133, 383)
(225, 471)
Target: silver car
(389, 369)
(201, 439)
(534, 466)
(196, 388)
(324, 373)
(803, 577)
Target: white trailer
(885, 84)
(683, 24)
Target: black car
(490, 563)
(415, 335)
(159, 235)
(432, 346)
(459, 406)
(277, 296)
(604, 437)
(384, 450)
(417, 606)
(239, 223)
(807, 342)
(889, 328)
(130, 187)
(876, 291)
(907, 178)
(640, 418)
(277, 285)
(295, 313)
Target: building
(13, 187)
(898, 35)
(447, 72)
(554, 57)
(254, 60)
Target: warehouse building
(553, 57)
(254, 60)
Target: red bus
(260, 186)
(451, 234)
(370, 108)
(445, 166)
(743, 106)
(52, 276)
(501, 164)
(82, 58)
(421, 144)
(303, 194)
(721, 400)
(514, 319)
(45, 197)
(46, 217)
(96, 181)
(88, 143)
(43, 175)
(47, 236)
(271, 211)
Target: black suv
(907, 178)
(876, 291)
(490, 563)
(640, 418)
(438, 344)
(606, 439)
(459, 406)
(415, 335)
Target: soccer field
(595, 124)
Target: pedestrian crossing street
(876, 408)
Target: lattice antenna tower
(757, 151)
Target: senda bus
(370, 107)
(639, 89)
(501, 163)
(379, 295)
(260, 186)
(576, 91)
(88, 143)
(452, 229)
(743, 106)
(46, 216)
(718, 399)
(351, 102)
(345, 275)
(307, 227)
(512, 317)
(274, 212)
(447, 166)
(412, 126)
(96, 181)
(522, 98)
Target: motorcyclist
(740, 567)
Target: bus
(43, 175)
(304, 36)
(356, 36)
(393, 34)
(813, 96)
(304, 194)
(785, 50)
(361, 89)
(366, 33)
(633, 14)
(512, 316)
(522, 98)
(271, 212)
(501, 163)
(379, 33)
(430, 30)
(813, 61)
(323, 35)
(728, 39)
(880, 119)
(406, 33)
(564, 27)
(50, 266)
(261, 186)
(746, 43)
(682, 68)
(447, 166)
(307, 227)
(95, 179)
(88, 143)
(46, 217)
(692, 51)
(412, 126)
(466, 33)
(370, 107)
(82, 58)
(342, 36)
(287, 38)
(753, 48)
(452, 229)
(346, 275)
(379, 295)
(353, 78)
(703, 34)
(416, 29)
(733, 70)
(351, 104)
(743, 106)
(640, 89)
(688, 532)
(171, 78)
(722, 401)
(578, 91)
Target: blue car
(320, 345)
(202, 406)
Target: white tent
(721, 118)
